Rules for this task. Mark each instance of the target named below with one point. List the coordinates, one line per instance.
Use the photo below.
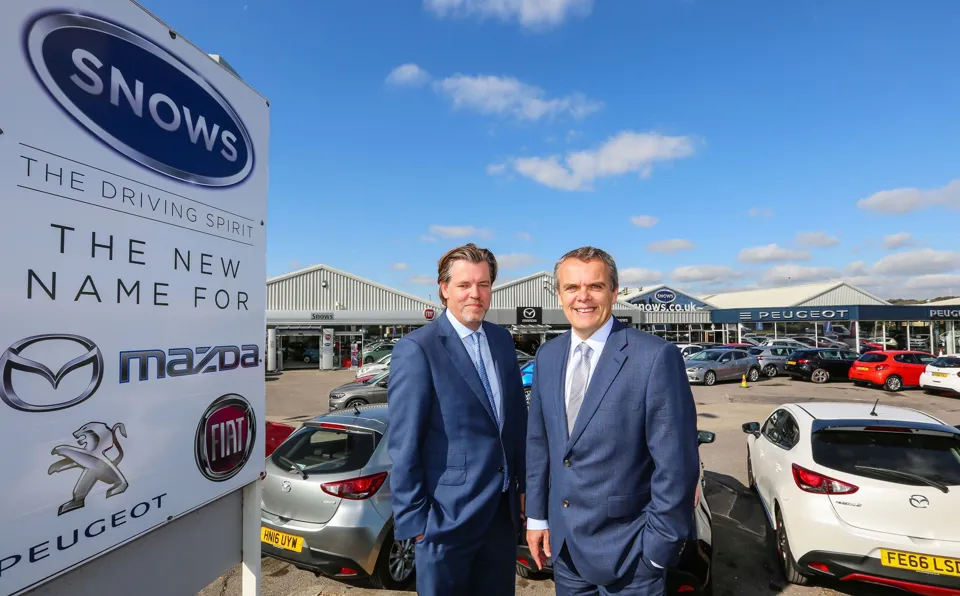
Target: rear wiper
(938, 485)
(294, 467)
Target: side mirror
(705, 436)
(382, 384)
(751, 428)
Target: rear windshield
(326, 451)
(946, 362)
(756, 351)
(873, 357)
(933, 457)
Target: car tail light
(881, 367)
(887, 429)
(686, 589)
(812, 482)
(355, 489)
(332, 426)
(819, 567)
(347, 571)
(803, 361)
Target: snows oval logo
(140, 99)
(666, 296)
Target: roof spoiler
(891, 425)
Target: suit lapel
(463, 363)
(501, 360)
(560, 391)
(608, 367)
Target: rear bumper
(318, 562)
(872, 377)
(869, 569)
(947, 385)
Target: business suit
(617, 487)
(458, 465)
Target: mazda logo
(529, 313)
(919, 501)
(12, 360)
(285, 487)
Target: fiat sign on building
(133, 184)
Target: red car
(276, 433)
(891, 369)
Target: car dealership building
(321, 309)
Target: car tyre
(820, 376)
(788, 566)
(396, 565)
(710, 378)
(751, 481)
(770, 370)
(753, 375)
(528, 573)
(893, 383)
(354, 402)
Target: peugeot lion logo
(12, 360)
(98, 456)
(919, 501)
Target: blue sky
(707, 145)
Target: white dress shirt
(489, 365)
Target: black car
(820, 364)
(693, 575)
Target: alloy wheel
(819, 376)
(770, 370)
(893, 383)
(401, 560)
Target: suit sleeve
(409, 395)
(671, 433)
(538, 456)
(520, 434)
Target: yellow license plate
(921, 563)
(862, 368)
(281, 540)
(939, 374)
(791, 362)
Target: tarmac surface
(743, 563)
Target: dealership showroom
(321, 308)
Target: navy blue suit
(618, 491)
(450, 458)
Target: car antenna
(873, 412)
(356, 409)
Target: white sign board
(133, 185)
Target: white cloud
(941, 284)
(515, 261)
(706, 274)
(488, 94)
(399, 266)
(423, 280)
(898, 240)
(495, 169)
(770, 253)
(856, 268)
(459, 231)
(905, 200)
(644, 221)
(408, 74)
(426, 238)
(524, 236)
(532, 14)
(623, 153)
(639, 276)
(764, 212)
(781, 274)
(816, 240)
(671, 246)
(918, 262)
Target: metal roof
(816, 294)
(536, 289)
(304, 290)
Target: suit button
(566, 462)
(500, 470)
(566, 503)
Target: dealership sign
(133, 182)
(529, 315)
(665, 295)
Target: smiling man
(458, 421)
(612, 461)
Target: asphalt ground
(743, 563)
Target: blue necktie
(482, 370)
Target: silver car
(710, 366)
(771, 358)
(377, 367)
(326, 501)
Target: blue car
(526, 375)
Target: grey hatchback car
(724, 364)
(772, 359)
(326, 501)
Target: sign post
(133, 182)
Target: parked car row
(859, 492)
(326, 508)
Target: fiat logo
(225, 437)
(429, 313)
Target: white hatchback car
(860, 492)
(943, 374)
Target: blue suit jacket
(620, 488)
(448, 453)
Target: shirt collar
(462, 330)
(597, 340)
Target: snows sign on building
(665, 299)
(133, 171)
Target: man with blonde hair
(457, 418)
